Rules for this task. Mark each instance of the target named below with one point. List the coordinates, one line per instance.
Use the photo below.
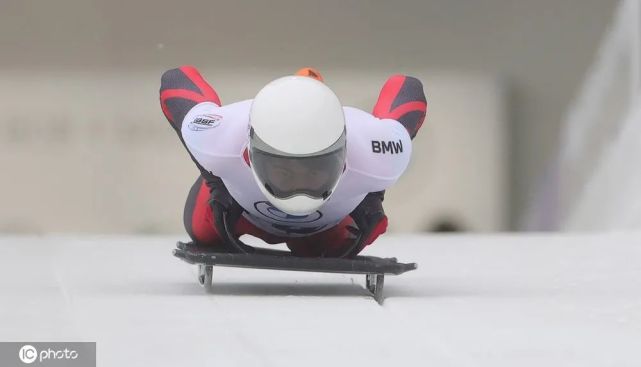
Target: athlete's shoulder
(207, 121)
(377, 148)
(359, 119)
(215, 133)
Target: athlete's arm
(378, 150)
(181, 89)
(402, 99)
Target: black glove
(225, 211)
(367, 215)
(220, 199)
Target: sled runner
(374, 268)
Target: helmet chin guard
(295, 205)
(297, 143)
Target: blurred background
(534, 119)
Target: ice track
(476, 300)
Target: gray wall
(91, 152)
(541, 47)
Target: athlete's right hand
(226, 212)
(219, 195)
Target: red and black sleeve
(402, 99)
(180, 90)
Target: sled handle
(355, 248)
(222, 224)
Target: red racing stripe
(208, 92)
(178, 93)
(401, 110)
(388, 94)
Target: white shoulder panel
(215, 135)
(378, 150)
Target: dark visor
(284, 175)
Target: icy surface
(506, 300)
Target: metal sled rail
(359, 265)
(374, 268)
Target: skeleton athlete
(293, 164)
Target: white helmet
(297, 143)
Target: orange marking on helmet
(310, 72)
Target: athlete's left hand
(370, 219)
